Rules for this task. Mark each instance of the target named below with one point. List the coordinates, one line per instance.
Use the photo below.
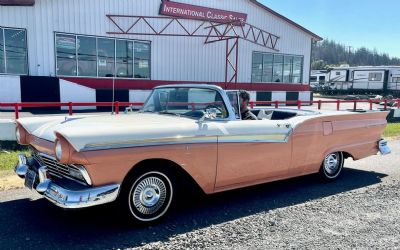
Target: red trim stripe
(102, 83)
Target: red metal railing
(117, 105)
(299, 103)
(70, 105)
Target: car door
(252, 151)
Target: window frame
(3, 28)
(97, 57)
(273, 66)
(372, 76)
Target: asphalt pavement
(359, 210)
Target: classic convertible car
(185, 134)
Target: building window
(13, 51)
(105, 57)
(268, 67)
(87, 59)
(142, 60)
(257, 67)
(396, 79)
(101, 57)
(376, 77)
(125, 59)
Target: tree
(329, 52)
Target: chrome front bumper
(61, 196)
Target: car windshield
(185, 101)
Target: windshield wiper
(168, 113)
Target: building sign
(17, 2)
(200, 13)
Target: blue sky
(356, 23)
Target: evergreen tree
(329, 52)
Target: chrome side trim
(261, 138)
(278, 137)
(150, 142)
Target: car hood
(85, 132)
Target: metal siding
(173, 58)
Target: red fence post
(117, 107)
(338, 105)
(355, 105)
(252, 105)
(16, 110)
(319, 104)
(276, 104)
(298, 104)
(385, 107)
(398, 104)
(370, 104)
(70, 108)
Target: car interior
(279, 114)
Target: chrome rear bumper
(63, 197)
(383, 147)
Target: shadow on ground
(39, 224)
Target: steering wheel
(213, 106)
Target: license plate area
(30, 179)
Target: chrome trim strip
(255, 138)
(83, 198)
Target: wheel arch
(182, 175)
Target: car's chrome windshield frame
(231, 115)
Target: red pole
(299, 104)
(276, 104)
(370, 104)
(237, 60)
(70, 108)
(355, 105)
(16, 110)
(338, 105)
(385, 107)
(252, 105)
(319, 104)
(398, 104)
(117, 107)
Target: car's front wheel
(147, 197)
(332, 166)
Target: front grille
(56, 169)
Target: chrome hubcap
(149, 195)
(331, 163)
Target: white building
(75, 50)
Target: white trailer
(366, 78)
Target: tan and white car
(185, 133)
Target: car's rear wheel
(332, 166)
(147, 197)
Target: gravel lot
(361, 210)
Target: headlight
(58, 150)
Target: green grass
(392, 130)
(8, 159)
